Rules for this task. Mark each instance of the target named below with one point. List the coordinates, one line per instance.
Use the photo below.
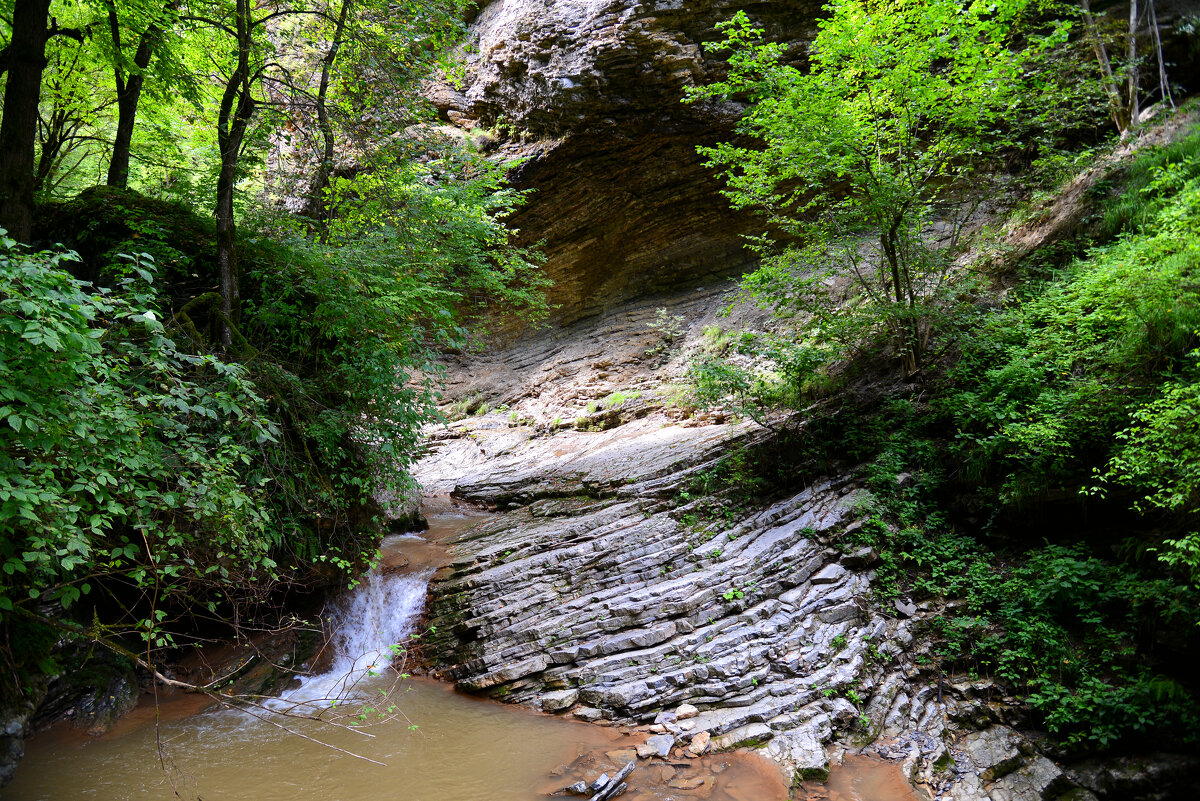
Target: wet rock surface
(15, 715)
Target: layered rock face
(556, 67)
(601, 596)
(601, 590)
(620, 198)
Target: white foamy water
(370, 628)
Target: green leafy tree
(161, 454)
(872, 159)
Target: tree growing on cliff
(873, 159)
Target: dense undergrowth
(1046, 481)
(156, 487)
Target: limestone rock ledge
(614, 610)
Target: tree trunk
(1164, 86)
(227, 267)
(909, 337)
(18, 128)
(129, 92)
(1108, 79)
(237, 108)
(52, 145)
(1131, 57)
(318, 206)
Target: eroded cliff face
(589, 91)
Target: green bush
(123, 458)
(1045, 383)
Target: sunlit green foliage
(1047, 382)
(175, 459)
(136, 459)
(876, 153)
(1096, 644)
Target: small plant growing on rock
(715, 341)
(669, 328)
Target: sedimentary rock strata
(589, 92)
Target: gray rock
(559, 700)
(662, 744)
(753, 735)
(829, 574)
(588, 713)
(995, 752)
(863, 557)
(1037, 780)
(801, 752)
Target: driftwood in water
(604, 788)
(616, 785)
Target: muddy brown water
(861, 778)
(434, 745)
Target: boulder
(801, 751)
(659, 745)
(995, 752)
(699, 745)
(1039, 779)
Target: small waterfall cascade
(370, 626)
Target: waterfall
(367, 626)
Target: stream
(370, 730)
